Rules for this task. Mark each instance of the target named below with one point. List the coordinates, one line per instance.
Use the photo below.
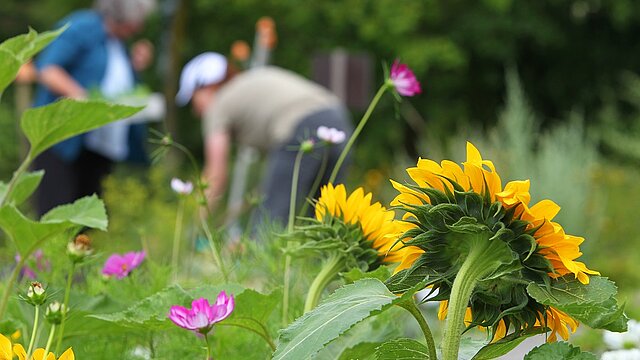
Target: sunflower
(376, 223)
(449, 207)
(7, 353)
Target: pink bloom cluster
(202, 316)
(181, 187)
(404, 80)
(330, 135)
(121, 265)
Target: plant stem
(32, 340)
(292, 214)
(357, 131)
(49, 341)
(206, 340)
(412, 308)
(482, 259)
(9, 287)
(176, 239)
(316, 183)
(16, 175)
(214, 249)
(329, 271)
(65, 304)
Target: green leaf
(252, 310)
(362, 351)
(506, 344)
(25, 46)
(344, 308)
(9, 66)
(593, 304)
(25, 186)
(558, 351)
(47, 125)
(382, 273)
(26, 234)
(405, 349)
(88, 211)
(151, 312)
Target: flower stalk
(412, 308)
(32, 340)
(292, 213)
(176, 239)
(329, 271)
(65, 304)
(52, 331)
(358, 129)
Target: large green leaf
(405, 349)
(252, 311)
(25, 186)
(27, 234)
(47, 125)
(558, 351)
(9, 66)
(88, 211)
(25, 46)
(343, 309)
(593, 304)
(506, 344)
(362, 351)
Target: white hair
(126, 10)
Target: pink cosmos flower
(181, 187)
(121, 265)
(404, 80)
(42, 264)
(202, 316)
(331, 135)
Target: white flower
(633, 354)
(630, 338)
(331, 135)
(181, 187)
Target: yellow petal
(19, 351)
(67, 355)
(5, 348)
(39, 355)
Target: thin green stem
(12, 183)
(292, 214)
(206, 340)
(214, 249)
(32, 340)
(9, 287)
(412, 308)
(328, 272)
(176, 239)
(49, 341)
(316, 183)
(65, 304)
(357, 131)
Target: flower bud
(54, 313)
(79, 248)
(307, 146)
(36, 294)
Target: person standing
(89, 56)
(268, 108)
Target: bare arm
(61, 83)
(217, 147)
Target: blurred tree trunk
(171, 71)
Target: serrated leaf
(506, 344)
(362, 351)
(9, 66)
(344, 308)
(47, 125)
(26, 234)
(558, 351)
(593, 304)
(25, 46)
(382, 273)
(88, 211)
(25, 186)
(405, 349)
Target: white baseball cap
(205, 69)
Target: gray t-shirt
(263, 106)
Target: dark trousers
(65, 182)
(277, 183)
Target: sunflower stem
(176, 239)
(328, 272)
(357, 131)
(479, 262)
(292, 214)
(412, 308)
(32, 340)
(65, 303)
